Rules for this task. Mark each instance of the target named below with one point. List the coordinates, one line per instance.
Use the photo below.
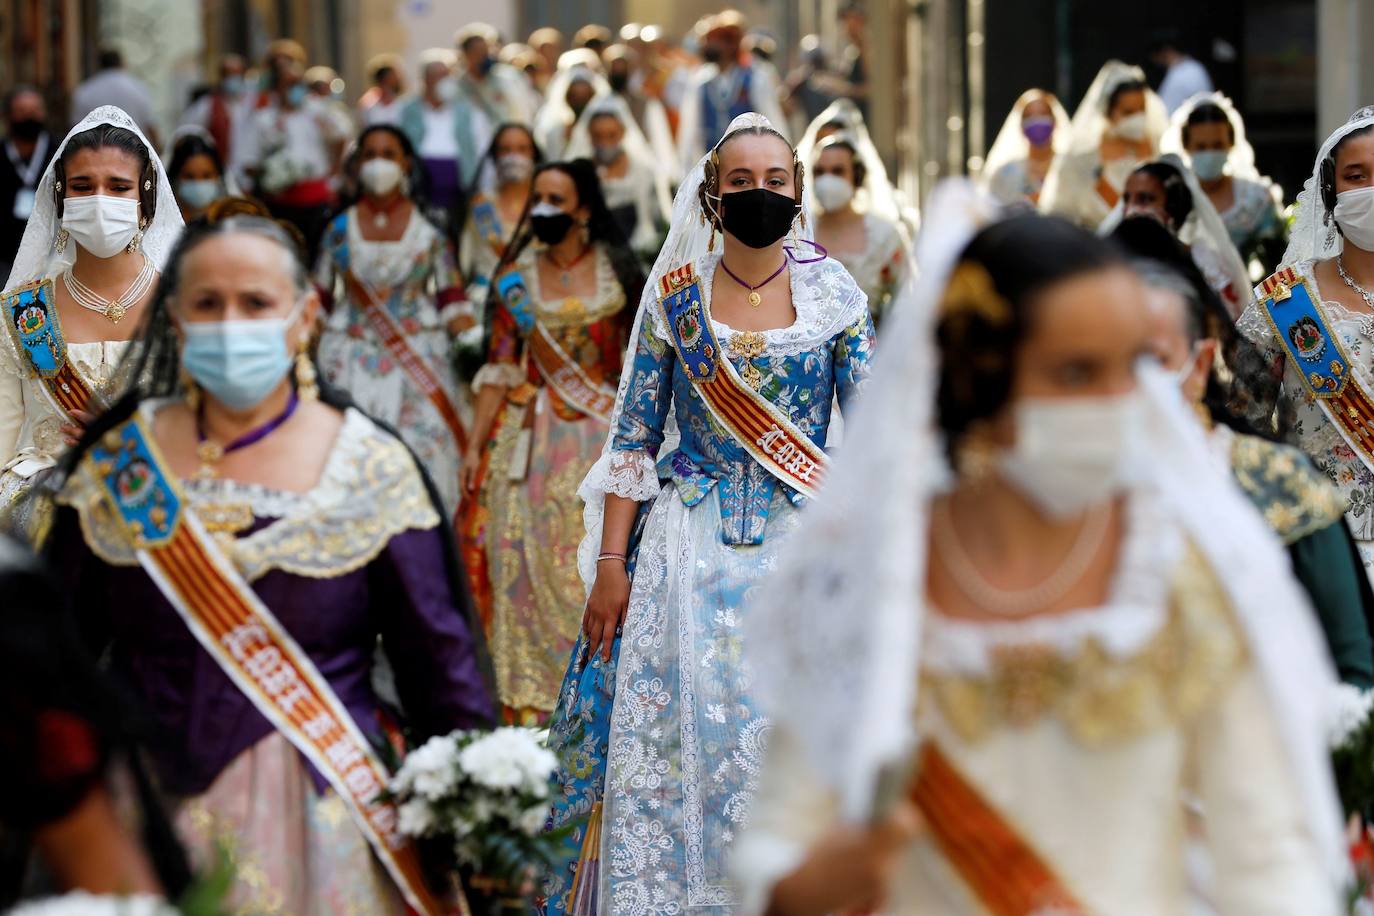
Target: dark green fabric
(1328, 566)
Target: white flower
(509, 758)
(1349, 711)
(80, 903)
(430, 770)
(415, 817)
(532, 822)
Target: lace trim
(824, 295)
(502, 375)
(390, 263)
(1135, 612)
(370, 491)
(574, 311)
(628, 473)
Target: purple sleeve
(438, 662)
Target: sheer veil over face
(37, 259)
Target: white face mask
(102, 225)
(1354, 213)
(1073, 453)
(1132, 127)
(514, 167)
(380, 176)
(833, 192)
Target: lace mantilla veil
(36, 258)
(1240, 162)
(636, 145)
(688, 241)
(835, 636)
(1312, 237)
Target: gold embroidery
(1294, 497)
(1101, 699)
(748, 346)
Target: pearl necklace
(1021, 601)
(1367, 322)
(113, 309)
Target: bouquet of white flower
(488, 795)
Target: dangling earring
(191, 390)
(61, 244)
(137, 240)
(976, 457)
(307, 382)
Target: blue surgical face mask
(239, 363)
(198, 194)
(1209, 165)
(232, 85)
(295, 96)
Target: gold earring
(61, 244)
(976, 457)
(307, 381)
(191, 390)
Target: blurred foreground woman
(261, 536)
(1044, 652)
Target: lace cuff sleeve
(504, 375)
(628, 473)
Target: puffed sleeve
(1266, 860)
(11, 402)
(853, 359)
(450, 298)
(790, 813)
(438, 660)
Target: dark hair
(1328, 171)
(1021, 257)
(1208, 113)
(1163, 262)
(17, 91)
(601, 227)
(710, 185)
(189, 147)
(100, 137)
(839, 141)
(1122, 89)
(382, 73)
(490, 154)
(1178, 200)
(109, 59)
(419, 181)
(470, 40)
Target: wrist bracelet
(611, 556)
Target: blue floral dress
(661, 748)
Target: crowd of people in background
(534, 367)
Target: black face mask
(619, 82)
(27, 129)
(551, 229)
(757, 217)
(712, 54)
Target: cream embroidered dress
(881, 267)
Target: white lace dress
(880, 267)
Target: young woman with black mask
(558, 319)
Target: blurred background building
(944, 72)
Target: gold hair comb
(972, 292)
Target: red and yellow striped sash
(568, 378)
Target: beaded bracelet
(611, 556)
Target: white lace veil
(1205, 234)
(36, 258)
(636, 145)
(1011, 144)
(877, 194)
(557, 116)
(689, 237)
(1313, 236)
(1240, 162)
(834, 639)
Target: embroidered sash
(244, 637)
(757, 424)
(1001, 869)
(488, 225)
(515, 295)
(30, 313)
(416, 367)
(1299, 323)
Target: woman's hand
(72, 432)
(472, 468)
(606, 607)
(851, 868)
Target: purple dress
(359, 558)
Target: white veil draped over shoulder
(37, 259)
(689, 237)
(636, 145)
(1314, 235)
(835, 636)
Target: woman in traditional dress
(1117, 127)
(1042, 646)
(398, 305)
(743, 343)
(561, 320)
(1210, 131)
(262, 535)
(496, 204)
(1314, 320)
(876, 194)
(634, 184)
(1166, 191)
(197, 173)
(1036, 131)
(872, 247)
(99, 234)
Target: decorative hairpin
(972, 292)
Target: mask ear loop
(791, 250)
